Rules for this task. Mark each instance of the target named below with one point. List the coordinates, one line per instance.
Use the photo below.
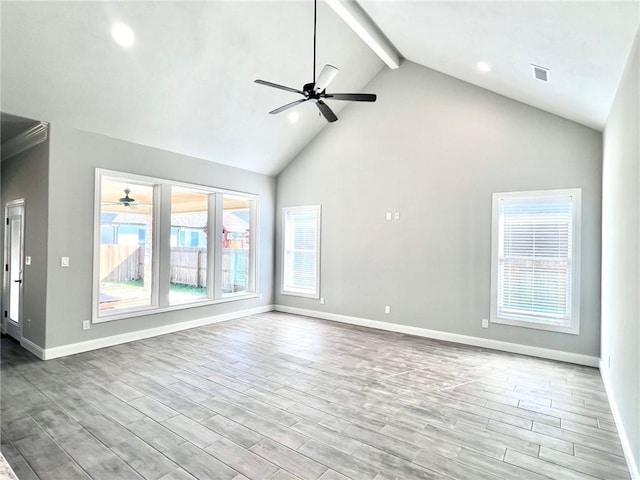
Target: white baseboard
(55, 352)
(64, 350)
(634, 469)
(450, 337)
(37, 350)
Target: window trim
(574, 327)
(97, 219)
(161, 210)
(318, 211)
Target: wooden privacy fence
(120, 263)
(235, 269)
(189, 266)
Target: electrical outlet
(485, 323)
(86, 325)
(321, 300)
(387, 309)
(396, 216)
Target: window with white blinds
(301, 255)
(535, 259)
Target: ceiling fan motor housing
(309, 92)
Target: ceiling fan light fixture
(126, 200)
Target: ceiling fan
(316, 90)
(127, 201)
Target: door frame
(6, 277)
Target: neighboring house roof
(124, 218)
(189, 220)
(233, 221)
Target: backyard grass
(174, 287)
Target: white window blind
(301, 256)
(535, 255)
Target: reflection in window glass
(126, 226)
(189, 217)
(236, 245)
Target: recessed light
(484, 67)
(293, 117)
(122, 34)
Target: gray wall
(621, 252)
(74, 157)
(434, 149)
(26, 176)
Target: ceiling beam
(367, 30)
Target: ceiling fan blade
(355, 97)
(288, 105)
(326, 111)
(281, 87)
(327, 74)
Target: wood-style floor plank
(285, 397)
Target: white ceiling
(187, 83)
(584, 44)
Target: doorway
(14, 268)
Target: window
(189, 250)
(535, 278)
(236, 244)
(162, 245)
(127, 267)
(301, 256)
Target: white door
(14, 265)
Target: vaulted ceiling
(585, 46)
(186, 84)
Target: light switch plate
(388, 215)
(64, 261)
(27, 260)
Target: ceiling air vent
(540, 73)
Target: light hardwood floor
(285, 397)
